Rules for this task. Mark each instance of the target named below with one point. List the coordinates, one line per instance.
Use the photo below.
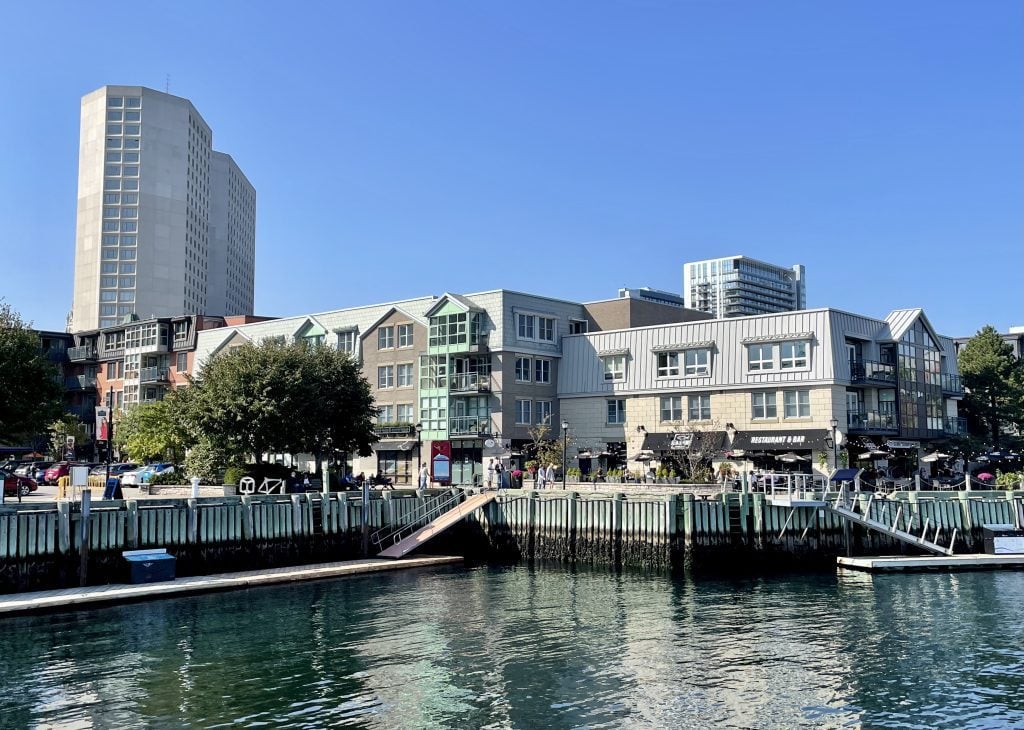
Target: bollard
(195, 487)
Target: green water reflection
(533, 647)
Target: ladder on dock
(843, 506)
(439, 517)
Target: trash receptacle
(1003, 539)
(111, 488)
(149, 566)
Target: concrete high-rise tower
(736, 286)
(166, 225)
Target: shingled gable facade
(483, 369)
(764, 385)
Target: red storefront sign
(441, 461)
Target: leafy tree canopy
(30, 395)
(150, 431)
(274, 397)
(994, 383)
(59, 430)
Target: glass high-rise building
(737, 286)
(166, 225)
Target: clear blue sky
(566, 149)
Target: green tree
(273, 397)
(993, 380)
(30, 394)
(59, 430)
(150, 431)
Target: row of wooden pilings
(41, 543)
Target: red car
(15, 485)
(58, 470)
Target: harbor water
(534, 647)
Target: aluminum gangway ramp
(437, 525)
(843, 506)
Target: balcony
(955, 426)
(80, 382)
(952, 385)
(470, 383)
(158, 396)
(114, 353)
(84, 412)
(872, 422)
(153, 375)
(56, 355)
(393, 430)
(469, 425)
(872, 371)
(82, 354)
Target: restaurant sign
(780, 440)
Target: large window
(616, 410)
(668, 364)
(403, 413)
(792, 355)
(541, 370)
(385, 338)
(796, 404)
(614, 367)
(543, 411)
(700, 407)
(347, 342)
(672, 408)
(386, 413)
(405, 335)
(760, 357)
(405, 375)
(698, 362)
(523, 412)
(522, 370)
(762, 405)
(535, 327)
(386, 376)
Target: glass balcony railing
(470, 383)
(153, 375)
(955, 426)
(80, 382)
(872, 371)
(80, 354)
(952, 384)
(468, 425)
(867, 421)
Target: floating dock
(70, 599)
(943, 563)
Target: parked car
(56, 471)
(143, 475)
(119, 470)
(15, 485)
(21, 468)
(38, 470)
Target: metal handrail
(423, 514)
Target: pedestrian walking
(490, 474)
(424, 478)
(549, 475)
(540, 476)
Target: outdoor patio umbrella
(935, 457)
(643, 457)
(874, 454)
(790, 458)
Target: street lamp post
(834, 423)
(565, 451)
(419, 452)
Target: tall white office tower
(166, 226)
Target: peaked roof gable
(391, 310)
(458, 300)
(901, 320)
(231, 337)
(310, 326)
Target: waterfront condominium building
(738, 286)
(166, 225)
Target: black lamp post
(419, 451)
(565, 451)
(834, 423)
